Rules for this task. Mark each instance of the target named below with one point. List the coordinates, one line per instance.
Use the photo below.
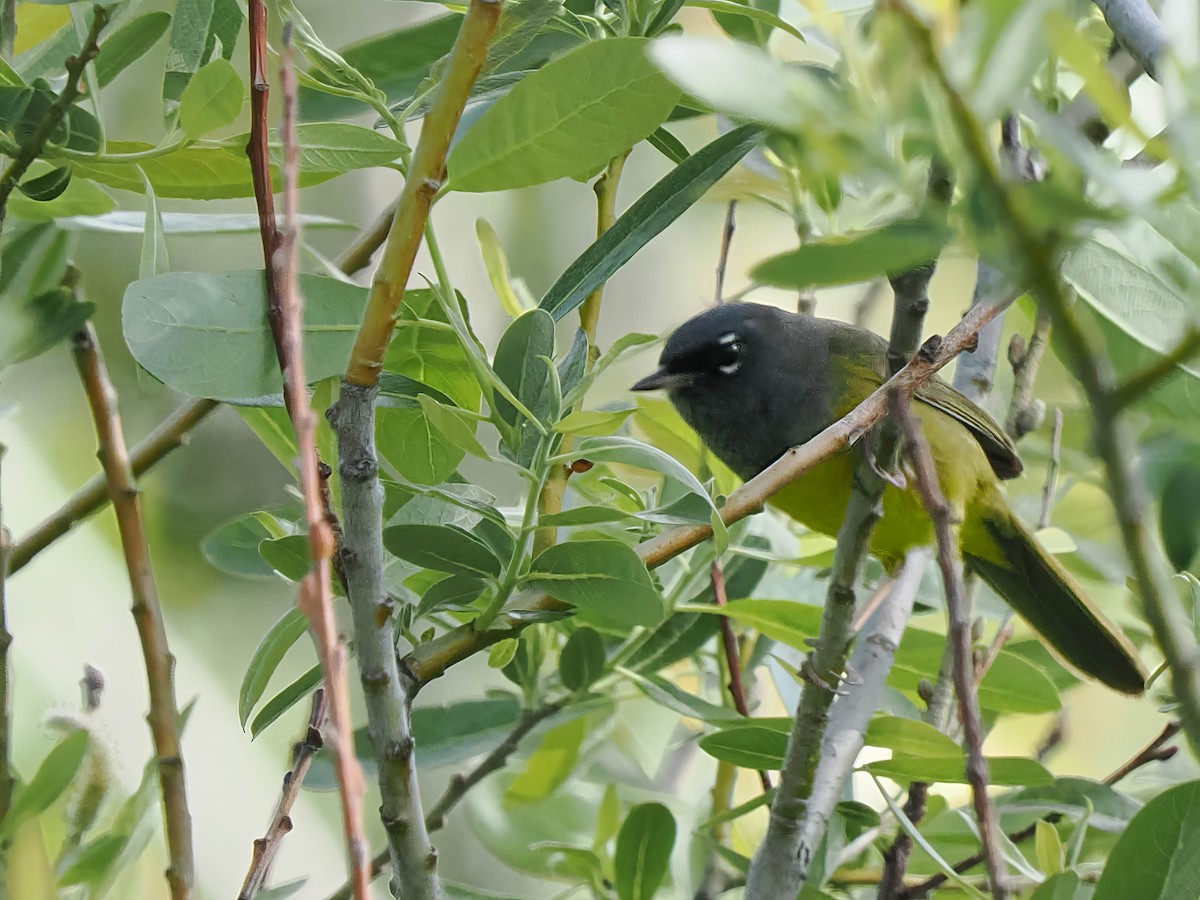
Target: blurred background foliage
(525, 832)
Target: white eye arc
(730, 345)
(729, 368)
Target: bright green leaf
(566, 120)
(1156, 857)
(1002, 770)
(606, 580)
(212, 99)
(643, 854)
(551, 764)
(909, 737)
(51, 780)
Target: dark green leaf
(47, 187)
(673, 195)
(1179, 520)
(275, 644)
(446, 548)
(286, 699)
(744, 28)
(582, 659)
(288, 555)
(1002, 770)
(420, 452)
(606, 580)
(517, 363)
(35, 312)
(1156, 857)
(212, 99)
(887, 250)
(573, 366)
(455, 592)
(22, 110)
(127, 44)
(643, 854)
(450, 734)
(566, 120)
(396, 61)
(760, 745)
(1105, 808)
(52, 778)
(207, 335)
(233, 547)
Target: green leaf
(1063, 886)
(36, 312)
(271, 650)
(419, 451)
(47, 187)
(202, 30)
(425, 348)
(496, 263)
(446, 548)
(129, 43)
(288, 555)
(1156, 858)
(566, 120)
(94, 860)
(606, 580)
(1106, 809)
(222, 171)
(457, 428)
(207, 335)
(674, 698)
(909, 737)
(885, 251)
(233, 547)
(1002, 770)
(757, 745)
(502, 653)
(22, 110)
(154, 259)
(1012, 684)
(395, 61)
(644, 847)
(727, 12)
(582, 659)
(550, 765)
(630, 452)
(51, 780)
(517, 363)
(81, 198)
(1049, 848)
(455, 592)
(670, 197)
(212, 99)
(1179, 515)
(286, 699)
(449, 734)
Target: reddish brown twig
(733, 657)
(960, 635)
(164, 715)
(266, 847)
(285, 313)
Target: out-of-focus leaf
(550, 765)
(582, 659)
(36, 312)
(52, 778)
(758, 744)
(1063, 886)
(744, 28)
(1179, 515)
(670, 197)
(606, 580)
(1049, 848)
(94, 860)
(566, 120)
(643, 855)
(1002, 770)
(233, 547)
(674, 698)
(129, 222)
(910, 737)
(1155, 858)
(266, 659)
(496, 263)
(207, 335)
(893, 248)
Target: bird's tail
(1040, 590)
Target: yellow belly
(818, 499)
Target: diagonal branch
(960, 636)
(147, 613)
(266, 847)
(1137, 29)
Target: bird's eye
(729, 354)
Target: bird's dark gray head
(716, 348)
(736, 373)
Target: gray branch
(1137, 29)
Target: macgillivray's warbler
(755, 381)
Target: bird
(754, 380)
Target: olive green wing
(868, 353)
